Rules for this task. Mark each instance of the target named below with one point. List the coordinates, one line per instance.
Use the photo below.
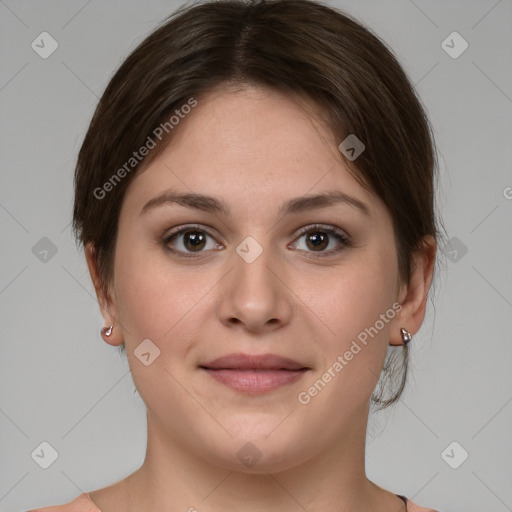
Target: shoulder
(81, 503)
(412, 507)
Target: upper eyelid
(178, 230)
(321, 226)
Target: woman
(255, 198)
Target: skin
(255, 148)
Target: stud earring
(406, 336)
(107, 331)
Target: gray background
(60, 383)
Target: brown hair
(295, 46)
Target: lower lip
(255, 381)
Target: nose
(255, 295)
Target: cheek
(358, 295)
(160, 304)
(358, 309)
(157, 300)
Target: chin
(262, 453)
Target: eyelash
(315, 228)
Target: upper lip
(253, 362)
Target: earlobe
(406, 336)
(412, 314)
(402, 337)
(107, 331)
(109, 334)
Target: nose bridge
(253, 261)
(255, 295)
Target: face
(307, 281)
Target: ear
(413, 295)
(107, 303)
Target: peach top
(83, 503)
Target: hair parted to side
(295, 46)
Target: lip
(254, 374)
(240, 361)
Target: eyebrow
(292, 207)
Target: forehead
(249, 145)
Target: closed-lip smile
(254, 373)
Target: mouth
(254, 374)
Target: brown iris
(194, 240)
(319, 240)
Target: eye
(189, 240)
(318, 237)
